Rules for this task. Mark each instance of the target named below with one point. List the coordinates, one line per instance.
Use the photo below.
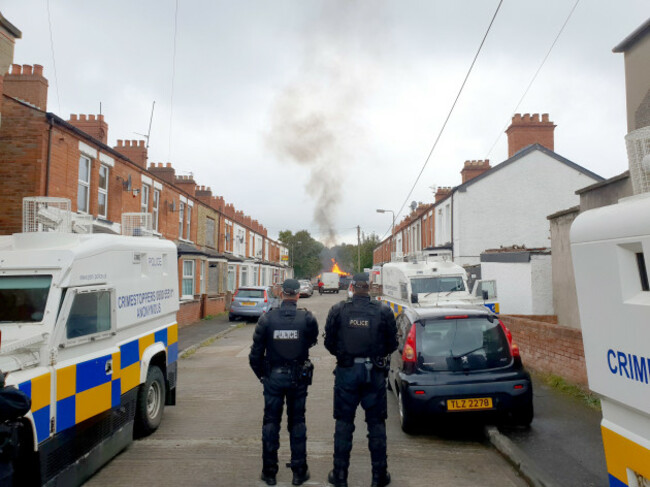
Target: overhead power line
(56, 78)
(548, 53)
(451, 110)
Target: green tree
(304, 253)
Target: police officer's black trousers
(277, 387)
(350, 389)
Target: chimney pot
(82, 117)
(91, 118)
(27, 69)
(38, 70)
(120, 143)
(169, 164)
(544, 117)
(16, 69)
(73, 117)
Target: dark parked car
(252, 302)
(458, 362)
(344, 282)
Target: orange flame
(337, 269)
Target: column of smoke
(312, 119)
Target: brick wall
(549, 348)
(527, 130)
(189, 312)
(215, 305)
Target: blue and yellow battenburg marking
(395, 308)
(85, 389)
(621, 454)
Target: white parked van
(88, 331)
(428, 283)
(330, 282)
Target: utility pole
(359, 247)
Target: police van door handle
(109, 367)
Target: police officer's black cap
(290, 286)
(361, 279)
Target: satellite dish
(414, 205)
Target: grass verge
(560, 384)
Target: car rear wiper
(467, 353)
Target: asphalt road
(213, 435)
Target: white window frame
(155, 209)
(84, 185)
(243, 270)
(232, 271)
(188, 222)
(103, 191)
(203, 281)
(181, 219)
(186, 277)
(144, 198)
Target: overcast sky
(281, 105)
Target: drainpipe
(49, 156)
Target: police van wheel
(151, 402)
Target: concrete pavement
(213, 435)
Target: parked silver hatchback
(251, 302)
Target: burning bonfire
(336, 269)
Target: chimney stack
(27, 83)
(204, 195)
(135, 150)
(166, 173)
(187, 184)
(95, 126)
(471, 169)
(442, 192)
(528, 130)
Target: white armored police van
(610, 247)
(88, 331)
(427, 281)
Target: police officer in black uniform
(14, 404)
(280, 358)
(361, 333)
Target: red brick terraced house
(41, 154)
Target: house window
(188, 222)
(144, 200)
(209, 232)
(83, 188)
(181, 216)
(102, 197)
(155, 208)
(243, 279)
(231, 278)
(188, 279)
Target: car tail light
(514, 349)
(233, 296)
(519, 386)
(266, 297)
(456, 317)
(419, 393)
(408, 354)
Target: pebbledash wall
(548, 347)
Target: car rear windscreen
(251, 293)
(462, 344)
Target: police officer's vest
(359, 334)
(286, 335)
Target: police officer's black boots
(300, 475)
(338, 477)
(380, 478)
(268, 475)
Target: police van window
(23, 298)
(643, 273)
(437, 284)
(90, 313)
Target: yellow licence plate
(248, 303)
(471, 404)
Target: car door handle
(109, 367)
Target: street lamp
(392, 228)
(292, 245)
